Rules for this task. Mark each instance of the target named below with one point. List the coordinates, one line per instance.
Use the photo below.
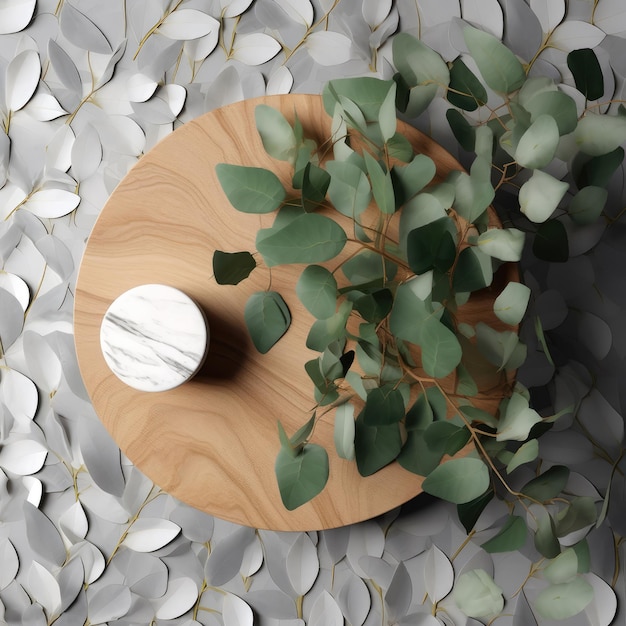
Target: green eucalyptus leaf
(584, 65)
(304, 155)
(382, 185)
(587, 205)
(465, 90)
(551, 243)
(446, 437)
(368, 268)
(600, 134)
(410, 179)
(325, 391)
(537, 146)
(375, 306)
(303, 433)
(583, 555)
(285, 443)
(400, 148)
(417, 63)
(557, 105)
(458, 480)
(548, 485)
(250, 189)
(473, 271)
(375, 446)
(501, 348)
(368, 91)
(546, 541)
(441, 350)
(580, 513)
(419, 99)
(465, 383)
(477, 595)
(384, 406)
(498, 66)
(479, 416)
(277, 135)
(510, 306)
(565, 600)
(597, 171)
(526, 453)
(462, 130)
(302, 477)
(267, 319)
(416, 456)
(518, 419)
(512, 536)
(315, 182)
(323, 332)
(431, 246)
(387, 114)
(344, 431)
(349, 189)
(540, 195)
(563, 568)
(423, 209)
(317, 290)
(505, 244)
(420, 415)
(309, 238)
(407, 315)
(230, 268)
(472, 195)
(352, 114)
(470, 512)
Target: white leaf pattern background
(86, 89)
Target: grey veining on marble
(154, 337)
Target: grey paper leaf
(91, 559)
(107, 74)
(76, 613)
(73, 523)
(367, 539)
(11, 320)
(100, 503)
(10, 563)
(186, 24)
(181, 595)
(486, 14)
(255, 48)
(15, 16)
(271, 603)
(57, 255)
(275, 547)
(399, 594)
(148, 534)
(34, 616)
(225, 559)
(109, 603)
(5, 150)
(45, 107)
(64, 68)
(22, 78)
(402, 545)
(252, 559)
(329, 48)
(43, 536)
(195, 525)
(102, 456)
(235, 612)
(377, 569)
(19, 393)
(522, 33)
(354, 600)
(599, 416)
(81, 31)
(302, 564)
(145, 575)
(44, 588)
(438, 574)
(325, 611)
(86, 153)
(336, 542)
(71, 579)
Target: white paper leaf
(486, 14)
(280, 81)
(375, 11)
(175, 96)
(180, 596)
(11, 320)
(438, 574)
(150, 534)
(300, 11)
(336, 542)
(235, 612)
(354, 600)
(303, 565)
(43, 363)
(52, 203)
(111, 63)
(34, 489)
(59, 150)
(610, 16)
(44, 588)
(81, 31)
(15, 15)
(365, 539)
(57, 255)
(252, 559)
(226, 556)
(101, 456)
(144, 574)
(64, 68)
(573, 35)
(200, 48)
(140, 87)
(73, 523)
(233, 8)
(43, 536)
(103, 504)
(184, 24)
(10, 563)
(399, 594)
(45, 107)
(329, 48)
(91, 558)
(86, 153)
(22, 78)
(549, 12)
(23, 457)
(109, 603)
(325, 611)
(255, 48)
(18, 393)
(71, 580)
(601, 610)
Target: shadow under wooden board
(213, 441)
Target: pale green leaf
(557, 105)
(538, 144)
(250, 189)
(526, 453)
(502, 349)
(317, 290)
(387, 114)
(441, 350)
(510, 306)
(564, 600)
(458, 481)
(477, 595)
(563, 568)
(540, 195)
(276, 133)
(505, 244)
(600, 134)
(267, 319)
(587, 205)
(417, 63)
(382, 185)
(472, 195)
(344, 431)
(517, 420)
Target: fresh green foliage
(250, 189)
(477, 595)
(267, 318)
(230, 268)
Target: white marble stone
(154, 337)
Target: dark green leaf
(597, 171)
(302, 434)
(420, 415)
(580, 513)
(230, 268)
(408, 314)
(267, 318)
(375, 306)
(367, 270)
(250, 189)
(546, 541)
(584, 556)
(465, 90)
(462, 130)
(550, 243)
(384, 406)
(431, 247)
(368, 91)
(317, 290)
(416, 456)
(375, 446)
(400, 148)
(585, 68)
(548, 485)
(446, 437)
(458, 481)
(511, 537)
(325, 390)
(302, 477)
(315, 181)
(473, 270)
(470, 511)
(309, 238)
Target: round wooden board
(212, 442)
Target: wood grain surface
(213, 441)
